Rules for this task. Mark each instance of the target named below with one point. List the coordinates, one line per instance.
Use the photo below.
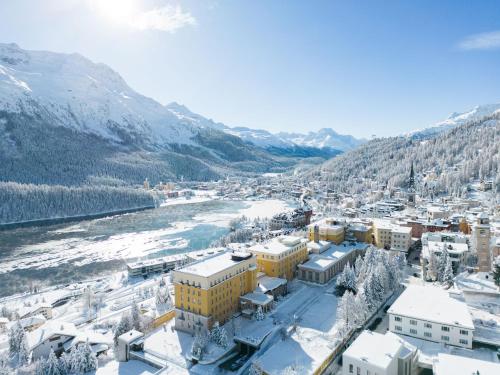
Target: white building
(375, 354)
(429, 313)
(60, 337)
(456, 244)
(447, 364)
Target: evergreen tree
(87, 360)
(124, 325)
(24, 352)
(432, 267)
(358, 266)
(259, 314)
(448, 272)
(52, 365)
(136, 317)
(443, 260)
(496, 273)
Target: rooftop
(278, 245)
(375, 348)
(453, 364)
(212, 265)
(432, 304)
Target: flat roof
(375, 348)
(278, 245)
(318, 263)
(210, 266)
(448, 364)
(432, 304)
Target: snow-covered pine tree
(52, 365)
(123, 326)
(443, 259)
(358, 265)
(432, 267)
(259, 314)
(448, 272)
(88, 359)
(136, 317)
(24, 352)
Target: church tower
(411, 188)
(481, 235)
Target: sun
(116, 12)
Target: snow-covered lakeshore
(65, 253)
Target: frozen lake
(64, 253)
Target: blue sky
(359, 67)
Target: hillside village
(387, 282)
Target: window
(445, 329)
(464, 332)
(398, 328)
(445, 338)
(358, 371)
(413, 331)
(413, 322)
(351, 369)
(427, 334)
(464, 342)
(397, 318)
(427, 325)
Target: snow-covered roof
(270, 283)
(448, 364)
(130, 336)
(278, 245)
(306, 350)
(261, 299)
(375, 348)
(32, 320)
(210, 266)
(48, 330)
(432, 304)
(318, 263)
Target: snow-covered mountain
(456, 119)
(85, 96)
(324, 138)
(67, 120)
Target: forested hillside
(443, 163)
(25, 202)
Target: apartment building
(429, 313)
(209, 290)
(374, 353)
(280, 256)
(327, 230)
(391, 236)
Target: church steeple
(411, 182)
(411, 187)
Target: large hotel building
(209, 290)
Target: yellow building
(326, 230)
(208, 291)
(362, 232)
(280, 256)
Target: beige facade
(481, 236)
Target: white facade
(429, 313)
(392, 236)
(375, 354)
